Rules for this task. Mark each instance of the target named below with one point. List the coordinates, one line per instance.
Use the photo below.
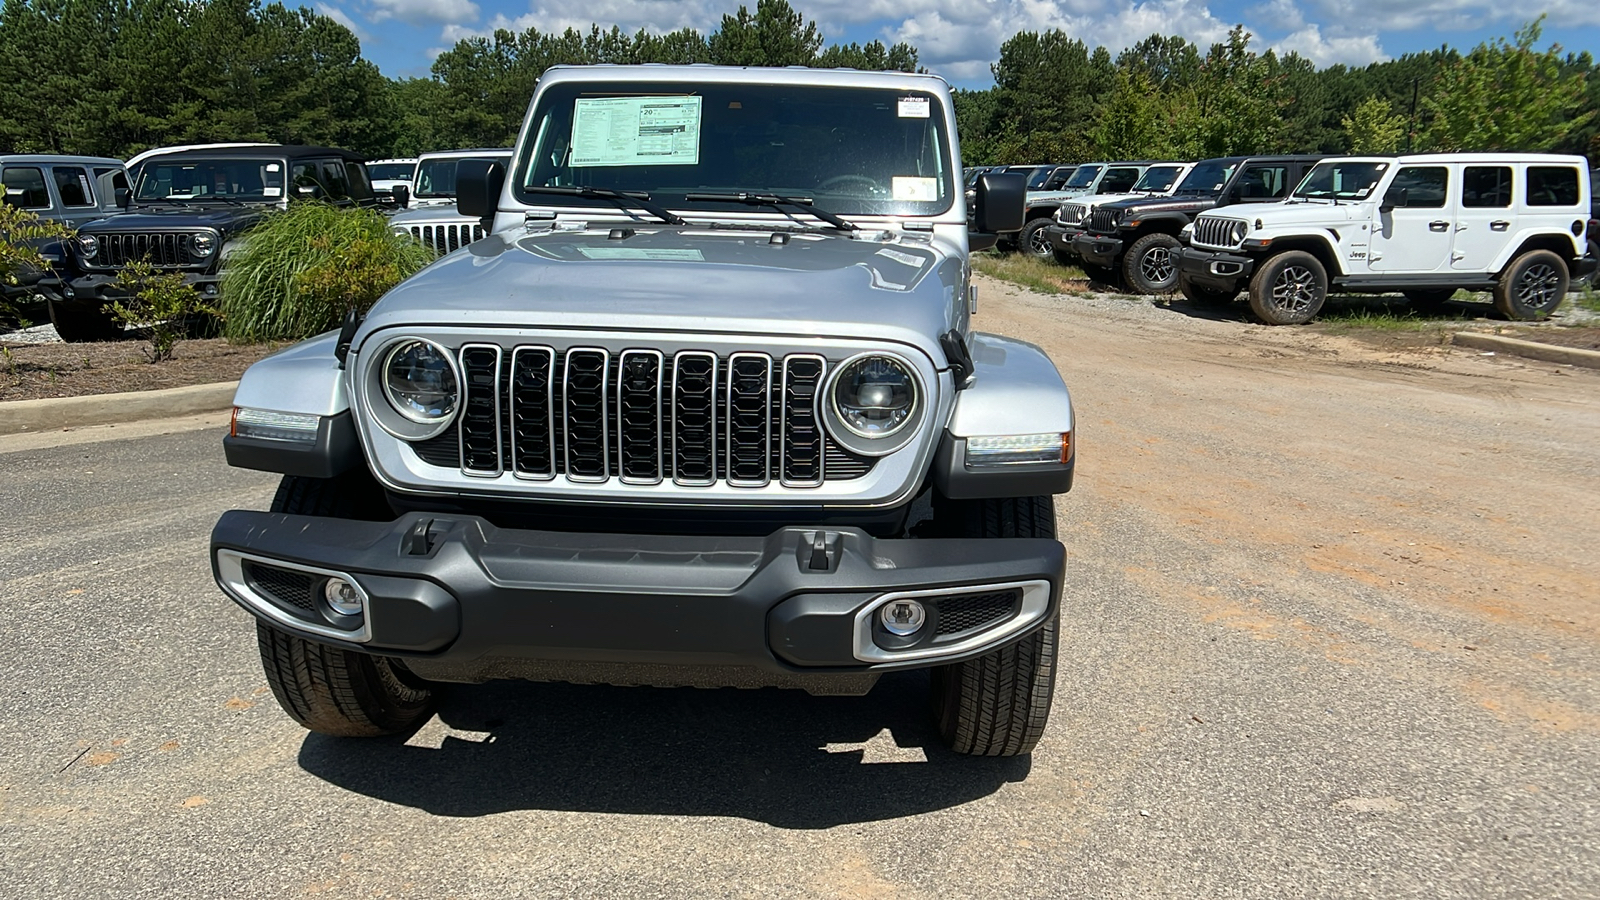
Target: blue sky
(960, 38)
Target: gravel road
(1330, 631)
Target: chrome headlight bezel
(1237, 232)
(88, 246)
(202, 245)
(887, 442)
(387, 412)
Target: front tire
(327, 689)
(1289, 289)
(998, 704)
(1148, 267)
(1532, 286)
(1034, 242)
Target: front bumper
(103, 286)
(1062, 236)
(463, 600)
(1583, 271)
(1212, 268)
(1098, 249)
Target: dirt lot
(34, 371)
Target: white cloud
(417, 12)
(343, 18)
(1356, 50)
(1461, 15)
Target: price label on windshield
(636, 131)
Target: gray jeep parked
(705, 407)
(69, 190)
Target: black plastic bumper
(459, 597)
(1583, 270)
(1209, 268)
(1098, 249)
(104, 286)
(1061, 237)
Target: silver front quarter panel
(304, 378)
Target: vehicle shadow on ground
(767, 755)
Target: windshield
(437, 177)
(1084, 177)
(391, 171)
(1159, 178)
(211, 179)
(1341, 180)
(1039, 176)
(862, 151)
(1207, 178)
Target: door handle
(1438, 226)
(1499, 225)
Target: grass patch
(1041, 275)
(1587, 299)
(300, 270)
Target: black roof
(287, 151)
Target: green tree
(1134, 122)
(1372, 127)
(1507, 96)
(775, 35)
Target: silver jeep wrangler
(705, 407)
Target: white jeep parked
(1424, 226)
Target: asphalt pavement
(1191, 752)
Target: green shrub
(300, 271)
(20, 233)
(159, 302)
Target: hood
(1187, 203)
(1314, 212)
(428, 215)
(744, 280)
(1071, 194)
(225, 219)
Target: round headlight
(1240, 229)
(202, 244)
(88, 245)
(420, 381)
(874, 396)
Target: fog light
(209, 290)
(342, 596)
(902, 616)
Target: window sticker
(913, 189)
(689, 255)
(271, 192)
(636, 131)
(273, 167)
(913, 107)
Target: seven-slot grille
(692, 418)
(165, 251)
(1072, 213)
(1103, 221)
(445, 238)
(1213, 231)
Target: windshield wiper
(177, 200)
(623, 198)
(801, 203)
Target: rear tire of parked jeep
(1034, 242)
(80, 323)
(998, 704)
(1148, 267)
(1289, 289)
(328, 689)
(1532, 286)
(1200, 294)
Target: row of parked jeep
(184, 209)
(1289, 229)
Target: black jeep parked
(1134, 238)
(185, 214)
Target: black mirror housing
(402, 196)
(478, 184)
(122, 197)
(997, 205)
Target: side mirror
(997, 203)
(402, 196)
(122, 197)
(478, 184)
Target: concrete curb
(22, 416)
(1572, 356)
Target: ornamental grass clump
(300, 271)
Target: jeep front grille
(163, 251)
(644, 417)
(445, 238)
(1213, 231)
(1072, 213)
(1103, 221)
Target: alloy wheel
(1537, 289)
(1156, 267)
(1294, 290)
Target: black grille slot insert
(283, 585)
(966, 612)
(749, 423)
(533, 412)
(480, 410)
(584, 414)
